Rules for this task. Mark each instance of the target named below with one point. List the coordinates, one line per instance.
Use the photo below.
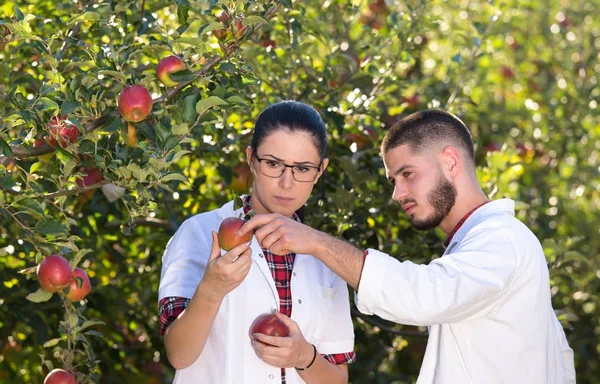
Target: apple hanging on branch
(61, 131)
(60, 376)
(135, 103)
(79, 286)
(54, 273)
(167, 66)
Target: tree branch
(400, 332)
(77, 191)
(145, 221)
(23, 153)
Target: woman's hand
(224, 273)
(284, 352)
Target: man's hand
(284, 352)
(282, 235)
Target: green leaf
(180, 129)
(51, 343)
(212, 101)
(51, 226)
(46, 104)
(188, 111)
(5, 149)
(64, 156)
(253, 19)
(116, 74)
(87, 16)
(237, 99)
(174, 176)
(39, 296)
(67, 107)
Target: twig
(145, 221)
(76, 191)
(385, 328)
(23, 153)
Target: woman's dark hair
(291, 116)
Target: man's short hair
(421, 130)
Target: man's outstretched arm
(282, 235)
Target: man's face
(420, 186)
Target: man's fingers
(255, 222)
(215, 251)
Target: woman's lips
(283, 199)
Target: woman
(208, 300)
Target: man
(486, 301)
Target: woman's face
(284, 194)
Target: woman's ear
(324, 165)
(249, 158)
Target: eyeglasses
(274, 169)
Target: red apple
(269, 324)
(60, 376)
(61, 131)
(228, 237)
(266, 42)
(54, 273)
(166, 67)
(38, 143)
(76, 291)
(91, 176)
(135, 103)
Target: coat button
(260, 255)
(271, 376)
(299, 301)
(294, 273)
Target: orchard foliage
(81, 179)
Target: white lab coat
(486, 303)
(320, 306)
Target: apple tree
(119, 120)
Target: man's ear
(452, 160)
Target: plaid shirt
(281, 268)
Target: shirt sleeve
(566, 353)
(184, 260)
(338, 338)
(169, 308)
(452, 288)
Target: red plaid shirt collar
(461, 222)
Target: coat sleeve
(184, 260)
(339, 330)
(453, 288)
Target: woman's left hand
(284, 352)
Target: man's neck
(464, 204)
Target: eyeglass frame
(285, 166)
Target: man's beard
(442, 198)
